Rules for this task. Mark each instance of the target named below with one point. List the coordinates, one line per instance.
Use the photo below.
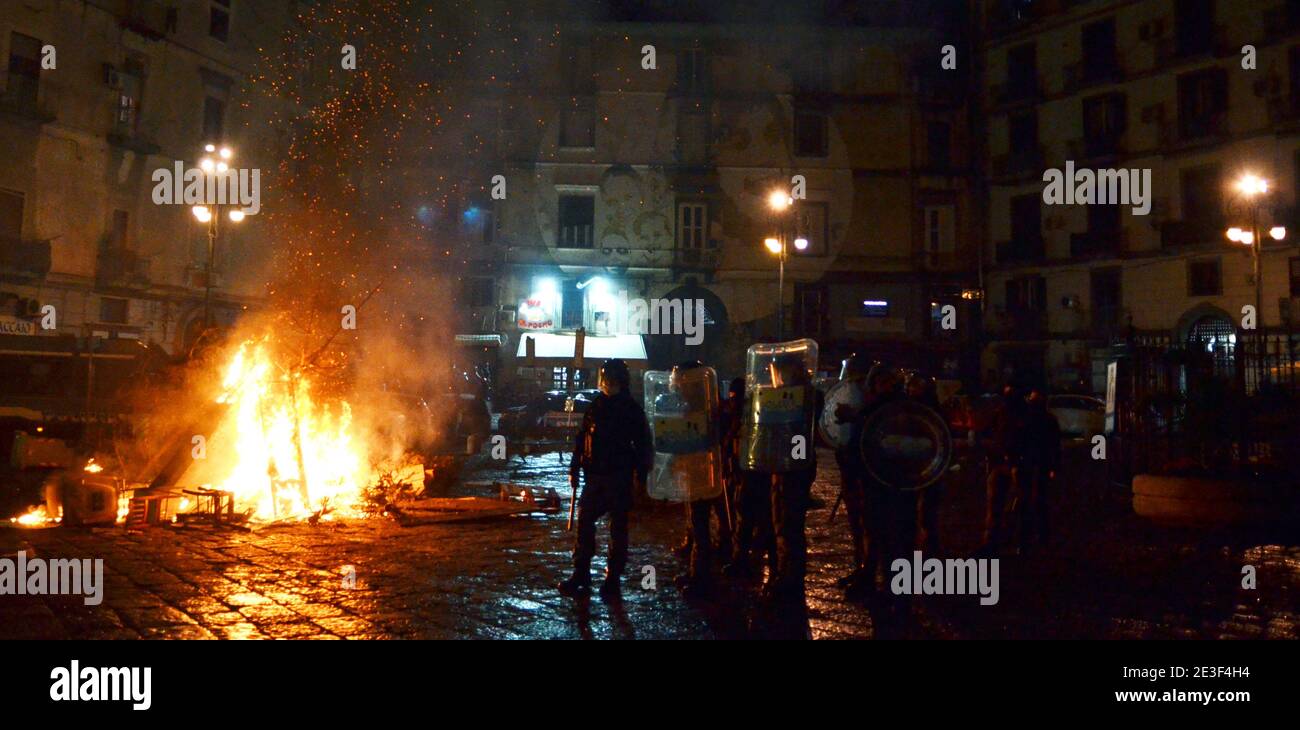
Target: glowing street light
(1277, 233)
(211, 215)
(779, 200)
(773, 245)
(1251, 185)
(801, 244)
(1234, 235)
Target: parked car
(555, 413)
(1080, 416)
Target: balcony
(1193, 44)
(1096, 148)
(1096, 244)
(120, 267)
(1017, 324)
(696, 259)
(1284, 110)
(1282, 21)
(1024, 161)
(149, 18)
(1192, 131)
(1021, 251)
(22, 98)
(24, 257)
(1023, 92)
(1192, 233)
(1079, 76)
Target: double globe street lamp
(211, 216)
(781, 202)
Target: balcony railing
(1021, 250)
(1096, 243)
(1177, 234)
(1021, 161)
(1088, 148)
(24, 257)
(1082, 75)
(1018, 324)
(696, 258)
(120, 267)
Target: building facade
(639, 161)
(1165, 86)
(96, 97)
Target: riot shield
(781, 406)
(906, 445)
(683, 410)
(848, 393)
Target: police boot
(611, 588)
(575, 585)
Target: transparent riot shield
(683, 410)
(782, 405)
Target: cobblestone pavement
(1108, 575)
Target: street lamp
(211, 216)
(780, 202)
(1254, 189)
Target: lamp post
(780, 202)
(1254, 189)
(211, 215)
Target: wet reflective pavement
(1108, 575)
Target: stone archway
(1210, 331)
(665, 350)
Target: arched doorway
(665, 350)
(1214, 335)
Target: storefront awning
(557, 348)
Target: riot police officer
(848, 456)
(612, 451)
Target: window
(1022, 72)
(480, 292)
(692, 70)
(216, 97)
(810, 224)
(1202, 101)
(130, 82)
(1202, 195)
(810, 314)
(1023, 130)
(809, 133)
(578, 125)
(219, 19)
(810, 72)
(24, 69)
(1195, 26)
(1103, 219)
(938, 142)
(577, 217)
(488, 214)
(692, 225)
(875, 308)
(1295, 277)
(1204, 278)
(113, 310)
(692, 134)
(1027, 294)
(1026, 229)
(11, 214)
(117, 236)
(214, 116)
(1106, 297)
(1104, 120)
(940, 236)
(1099, 58)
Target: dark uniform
(922, 390)
(1040, 459)
(1004, 449)
(853, 473)
(613, 448)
